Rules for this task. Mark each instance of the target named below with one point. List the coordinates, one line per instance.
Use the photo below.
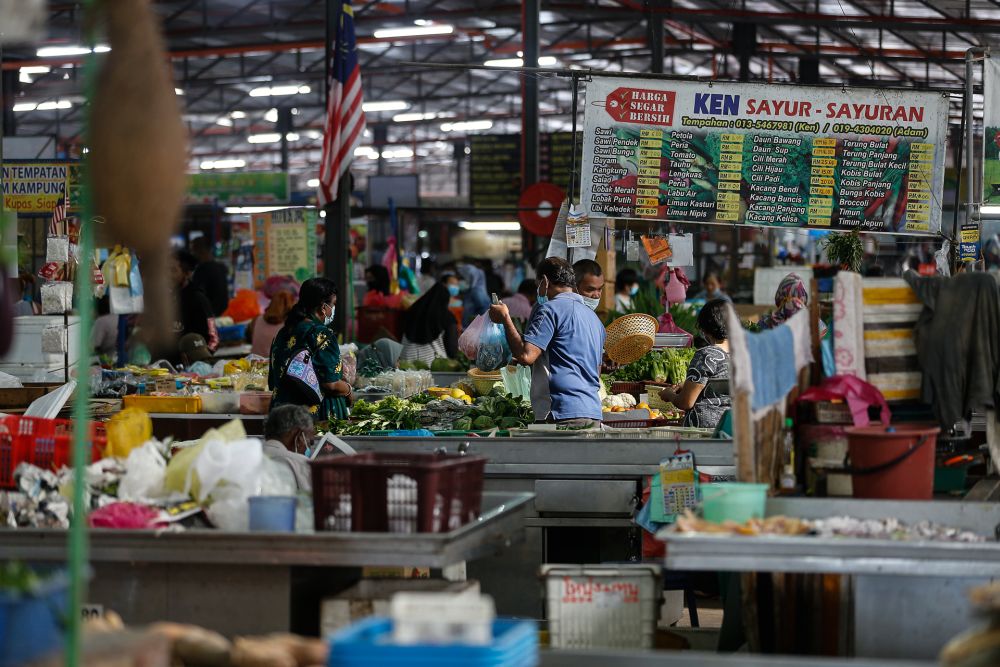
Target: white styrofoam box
(25, 357)
(371, 597)
(767, 278)
(608, 606)
(442, 618)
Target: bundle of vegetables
(668, 365)
(389, 414)
(497, 409)
(442, 414)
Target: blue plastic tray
(366, 644)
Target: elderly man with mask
(288, 433)
(589, 282)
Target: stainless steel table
(905, 599)
(242, 583)
(585, 493)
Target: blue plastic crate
(32, 625)
(232, 333)
(366, 644)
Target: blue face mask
(453, 290)
(634, 290)
(541, 299)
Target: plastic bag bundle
(145, 472)
(493, 353)
(468, 342)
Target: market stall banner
(284, 244)
(238, 188)
(991, 131)
(764, 155)
(36, 187)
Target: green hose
(81, 428)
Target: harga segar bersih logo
(640, 105)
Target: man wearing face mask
(288, 433)
(563, 337)
(589, 282)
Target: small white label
(91, 612)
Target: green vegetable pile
(498, 409)
(389, 414)
(668, 365)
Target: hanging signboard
(764, 155)
(968, 247)
(284, 244)
(991, 131)
(238, 188)
(36, 187)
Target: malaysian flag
(345, 119)
(58, 217)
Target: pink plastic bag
(857, 393)
(124, 515)
(468, 342)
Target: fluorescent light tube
(490, 226)
(415, 31)
(266, 138)
(394, 105)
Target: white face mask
(328, 320)
(591, 303)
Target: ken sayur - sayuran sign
(764, 155)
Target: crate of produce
(634, 388)
(367, 644)
(46, 443)
(189, 405)
(609, 606)
(397, 493)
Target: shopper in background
(26, 304)
(307, 328)
(712, 287)
(589, 282)
(429, 329)
(288, 433)
(626, 287)
(705, 392)
(210, 275)
(104, 334)
(520, 304)
(428, 271)
(378, 282)
(566, 337)
(475, 300)
(790, 297)
(194, 349)
(194, 309)
(264, 328)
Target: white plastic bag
(145, 472)
(236, 463)
(468, 342)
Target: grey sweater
(958, 342)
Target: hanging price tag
(677, 481)
(658, 248)
(577, 229)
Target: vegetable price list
(764, 155)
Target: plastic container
(232, 333)
(255, 402)
(32, 624)
(610, 606)
(272, 514)
(892, 462)
(733, 501)
(371, 597)
(366, 644)
(220, 402)
(188, 405)
(442, 618)
(46, 443)
(398, 493)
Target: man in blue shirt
(566, 336)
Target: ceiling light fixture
(223, 164)
(543, 61)
(55, 104)
(312, 183)
(273, 91)
(266, 138)
(490, 226)
(238, 114)
(467, 126)
(393, 105)
(415, 31)
(178, 91)
(271, 116)
(63, 51)
(25, 106)
(36, 69)
(410, 117)
(224, 122)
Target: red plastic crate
(396, 493)
(46, 443)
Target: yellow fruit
(618, 408)
(467, 399)
(605, 409)
(643, 406)
(457, 393)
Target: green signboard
(233, 189)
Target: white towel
(799, 324)
(848, 325)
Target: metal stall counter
(586, 491)
(256, 583)
(899, 599)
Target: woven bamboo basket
(482, 381)
(630, 337)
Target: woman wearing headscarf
(307, 329)
(429, 329)
(264, 328)
(476, 300)
(790, 297)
